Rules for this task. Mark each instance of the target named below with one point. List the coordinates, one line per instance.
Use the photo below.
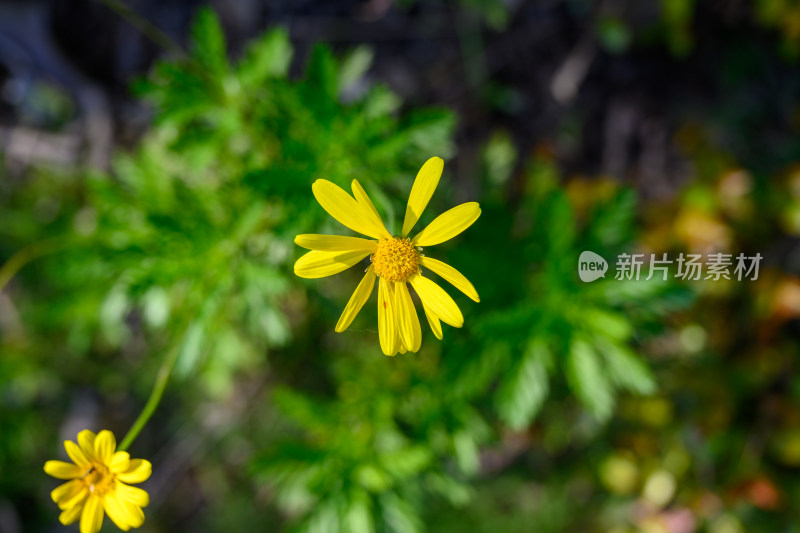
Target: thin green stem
(26, 255)
(147, 28)
(152, 402)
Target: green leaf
(612, 222)
(475, 374)
(301, 408)
(112, 316)
(372, 478)
(354, 66)
(606, 323)
(430, 132)
(588, 381)
(499, 156)
(155, 307)
(626, 369)
(380, 101)
(268, 57)
(208, 42)
(467, 453)
(522, 393)
(560, 224)
(406, 462)
(190, 349)
(455, 492)
(358, 517)
(400, 515)
(322, 75)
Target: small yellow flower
(396, 260)
(98, 480)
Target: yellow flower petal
(357, 300)
(68, 516)
(407, 318)
(317, 264)
(70, 499)
(132, 495)
(104, 446)
(92, 516)
(133, 513)
(62, 470)
(438, 301)
(363, 199)
(387, 331)
(448, 224)
(86, 442)
(122, 511)
(452, 275)
(335, 243)
(76, 454)
(424, 185)
(120, 462)
(138, 471)
(116, 512)
(67, 491)
(345, 209)
(433, 320)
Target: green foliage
(186, 246)
(549, 322)
(524, 390)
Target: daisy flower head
(98, 483)
(396, 260)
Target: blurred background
(156, 159)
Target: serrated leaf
(612, 223)
(400, 515)
(588, 381)
(406, 462)
(523, 392)
(627, 370)
(208, 42)
(268, 57)
(475, 374)
(606, 323)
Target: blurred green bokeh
(613, 406)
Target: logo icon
(591, 266)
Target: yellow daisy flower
(98, 480)
(396, 260)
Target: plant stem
(152, 402)
(148, 29)
(25, 256)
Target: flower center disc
(99, 480)
(395, 259)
